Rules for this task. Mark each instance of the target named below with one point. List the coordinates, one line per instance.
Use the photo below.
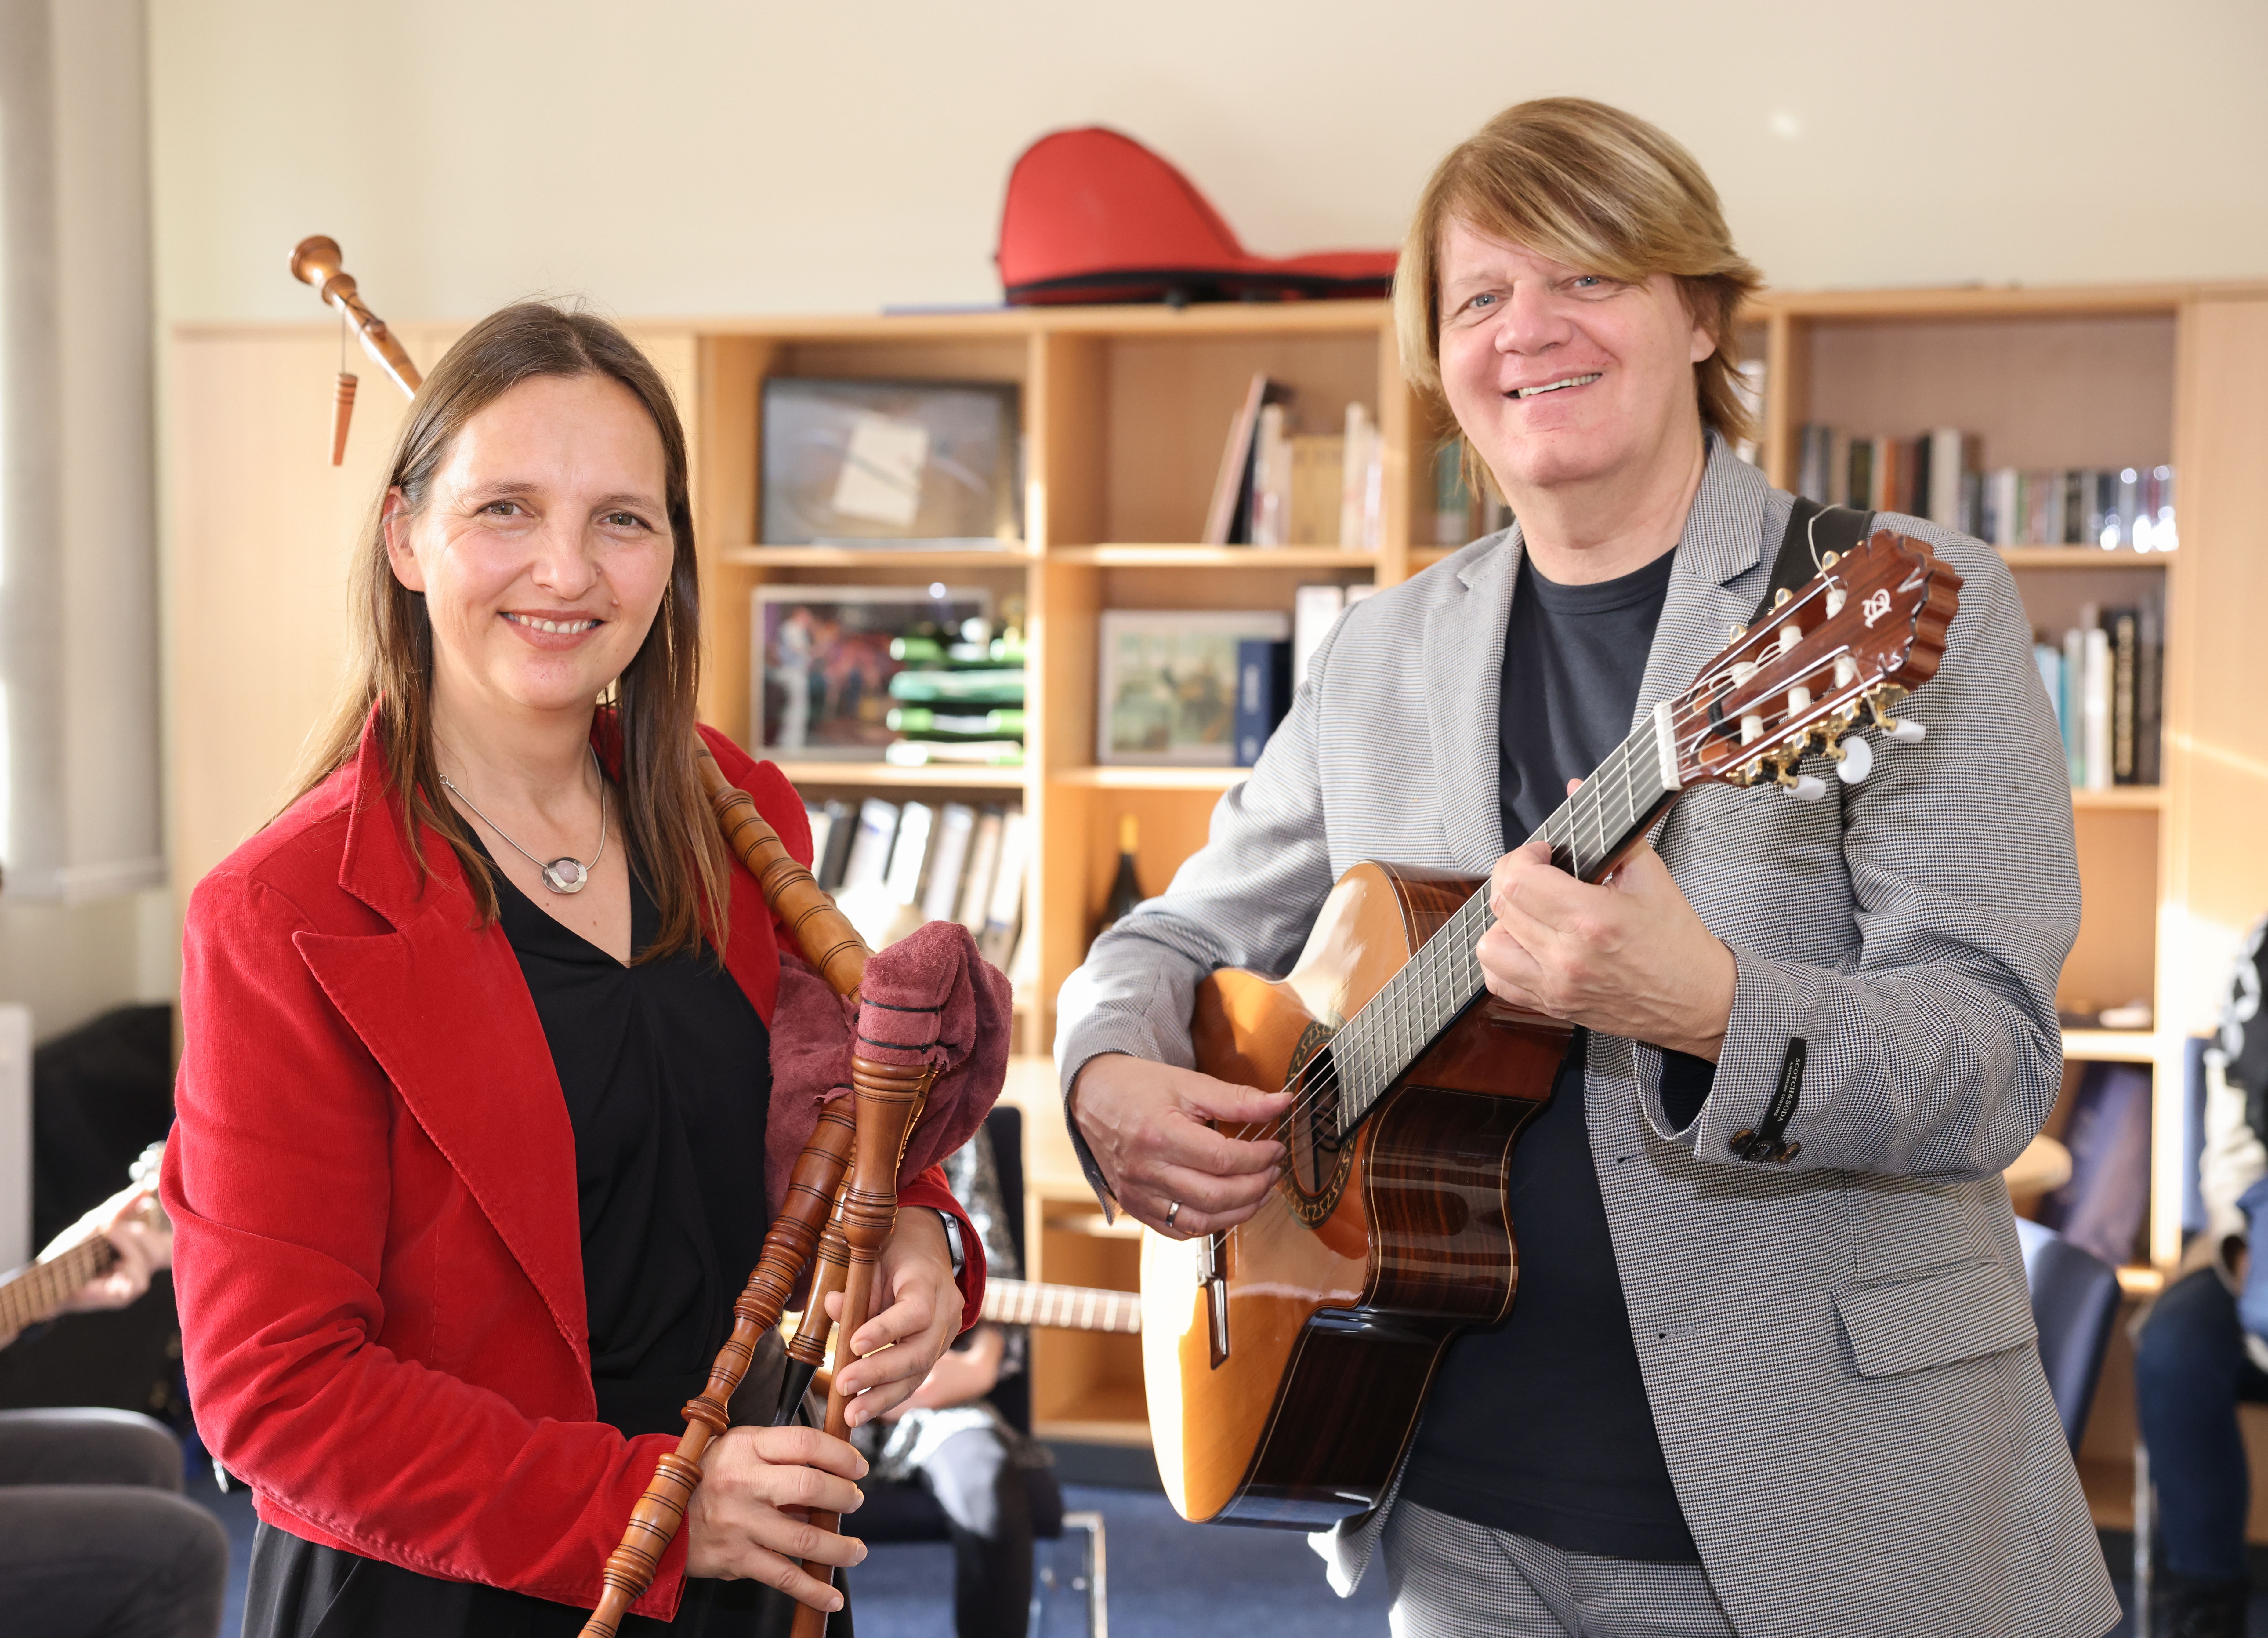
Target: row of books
(1280, 486)
(2105, 679)
(893, 865)
(1939, 475)
(959, 700)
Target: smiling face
(543, 548)
(1562, 377)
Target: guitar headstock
(1830, 662)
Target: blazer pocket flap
(1912, 1321)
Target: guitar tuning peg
(1906, 730)
(1808, 787)
(1854, 760)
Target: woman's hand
(919, 1305)
(747, 1519)
(144, 1247)
(961, 1375)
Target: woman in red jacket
(469, 1165)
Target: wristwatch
(953, 1240)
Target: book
(963, 753)
(2097, 708)
(2074, 705)
(2101, 1208)
(909, 852)
(1359, 447)
(2122, 625)
(1315, 611)
(1003, 910)
(988, 687)
(956, 829)
(821, 821)
(842, 830)
(868, 860)
(1859, 485)
(1263, 695)
(1318, 459)
(1005, 722)
(1271, 518)
(1952, 457)
(2149, 692)
(2047, 659)
(1452, 501)
(1228, 516)
(983, 860)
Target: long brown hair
(1598, 189)
(674, 838)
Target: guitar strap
(1813, 531)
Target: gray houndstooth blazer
(1838, 1350)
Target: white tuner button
(1906, 730)
(1858, 761)
(1808, 788)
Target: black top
(667, 1072)
(1541, 1425)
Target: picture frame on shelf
(891, 464)
(1167, 693)
(821, 687)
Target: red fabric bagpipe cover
(1093, 216)
(928, 998)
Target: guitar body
(1287, 1359)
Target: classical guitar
(41, 1289)
(1286, 1360)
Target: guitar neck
(1588, 833)
(45, 1287)
(1062, 1307)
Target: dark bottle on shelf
(1126, 891)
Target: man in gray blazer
(1785, 1386)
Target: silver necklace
(563, 875)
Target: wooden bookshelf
(1124, 413)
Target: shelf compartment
(876, 557)
(2083, 558)
(1128, 555)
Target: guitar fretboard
(1066, 1307)
(42, 1288)
(1619, 802)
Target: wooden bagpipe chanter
(830, 1221)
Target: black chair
(2075, 1302)
(908, 1512)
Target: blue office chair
(2075, 1302)
(908, 1512)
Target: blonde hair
(1597, 189)
(674, 844)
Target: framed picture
(1167, 692)
(891, 463)
(822, 687)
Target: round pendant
(566, 876)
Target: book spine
(2098, 708)
(2074, 705)
(2121, 623)
(1263, 675)
(2149, 687)
(1354, 464)
(1313, 609)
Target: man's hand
(747, 1518)
(920, 1314)
(1628, 956)
(960, 1375)
(1147, 1127)
(144, 1247)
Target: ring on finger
(1172, 1210)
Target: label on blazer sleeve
(1763, 1142)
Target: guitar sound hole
(1320, 1157)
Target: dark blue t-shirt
(1541, 1425)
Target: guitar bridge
(1213, 1269)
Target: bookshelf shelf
(884, 776)
(2083, 558)
(2113, 1047)
(1115, 778)
(1116, 555)
(877, 558)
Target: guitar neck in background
(34, 1295)
(1588, 832)
(1062, 1307)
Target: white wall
(718, 155)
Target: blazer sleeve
(1247, 898)
(277, 1181)
(1939, 1053)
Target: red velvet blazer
(372, 1185)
